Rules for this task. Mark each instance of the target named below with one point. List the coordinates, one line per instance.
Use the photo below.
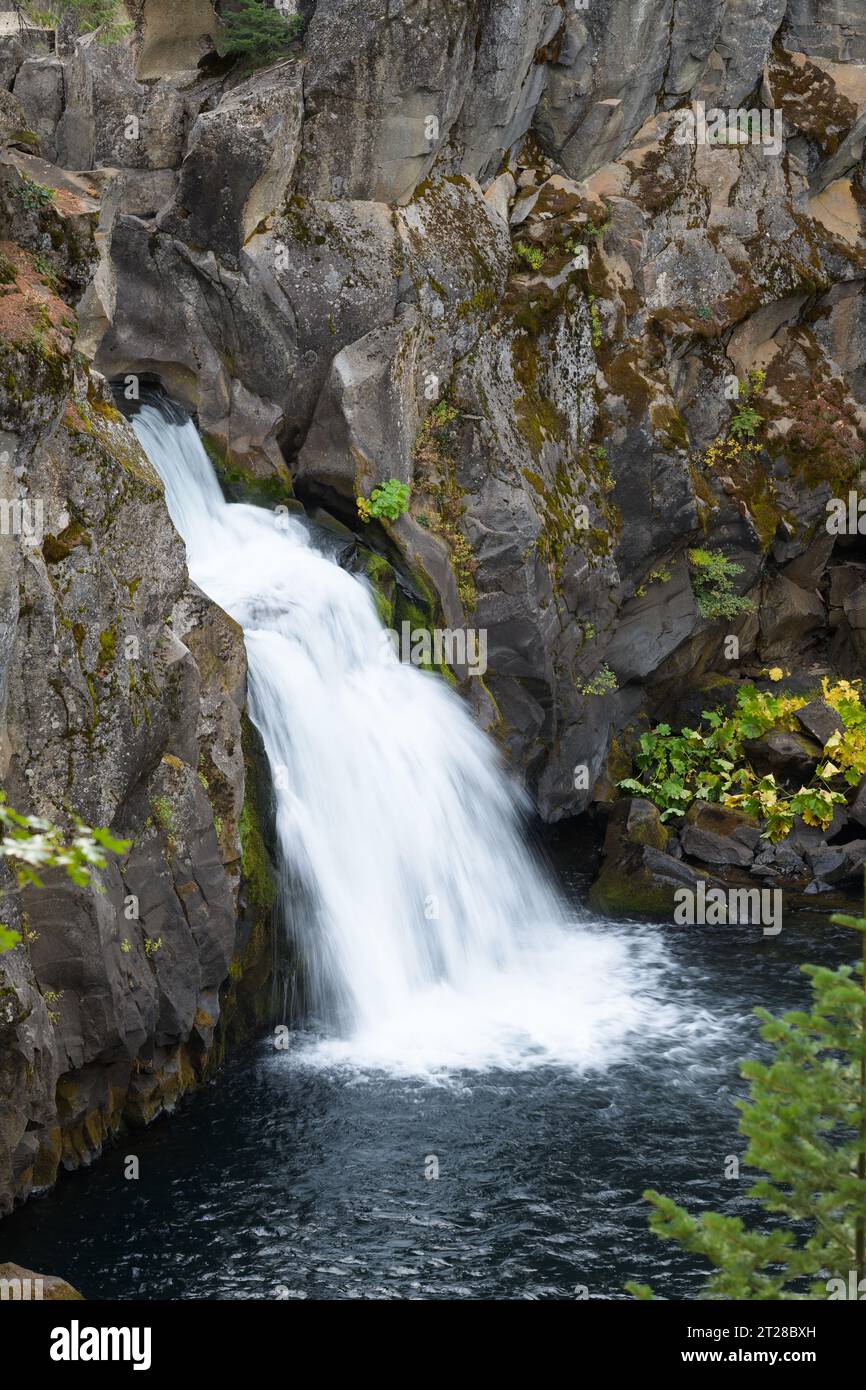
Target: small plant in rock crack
(712, 579)
(596, 323)
(389, 501)
(598, 229)
(34, 196)
(603, 682)
(747, 420)
(52, 996)
(533, 256)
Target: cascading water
(431, 937)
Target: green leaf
(8, 938)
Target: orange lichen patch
(29, 307)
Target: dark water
(280, 1182)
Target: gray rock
(39, 86)
(791, 757)
(839, 864)
(788, 616)
(826, 28)
(718, 835)
(820, 720)
(238, 164)
(857, 809)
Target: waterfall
(431, 937)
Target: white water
(432, 938)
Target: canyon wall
(462, 245)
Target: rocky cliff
(463, 244)
(122, 694)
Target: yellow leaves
(840, 691)
(848, 750)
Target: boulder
(857, 809)
(39, 86)
(239, 163)
(788, 616)
(839, 863)
(719, 835)
(820, 720)
(642, 882)
(638, 878)
(789, 757)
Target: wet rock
(838, 864)
(638, 877)
(719, 835)
(780, 861)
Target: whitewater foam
(431, 937)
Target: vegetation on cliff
(713, 763)
(257, 33)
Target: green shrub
(104, 15)
(389, 501)
(711, 764)
(34, 196)
(257, 33)
(712, 579)
(533, 256)
(603, 682)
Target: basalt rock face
(122, 695)
(473, 247)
